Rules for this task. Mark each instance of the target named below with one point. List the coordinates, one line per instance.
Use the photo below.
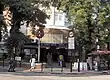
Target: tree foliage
(89, 19)
(24, 10)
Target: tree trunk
(108, 46)
(90, 30)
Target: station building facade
(55, 38)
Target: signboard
(71, 43)
(18, 58)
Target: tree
(24, 10)
(88, 18)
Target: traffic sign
(71, 43)
(71, 34)
(40, 33)
(18, 58)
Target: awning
(44, 45)
(99, 52)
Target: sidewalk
(18, 69)
(56, 71)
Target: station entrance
(30, 49)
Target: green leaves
(89, 17)
(24, 10)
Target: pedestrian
(89, 62)
(12, 65)
(95, 65)
(32, 61)
(49, 59)
(60, 60)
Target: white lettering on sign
(71, 43)
(18, 58)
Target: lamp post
(97, 48)
(71, 46)
(39, 34)
(38, 49)
(79, 48)
(1, 18)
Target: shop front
(32, 49)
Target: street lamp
(1, 18)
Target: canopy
(99, 52)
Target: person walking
(32, 61)
(60, 60)
(89, 62)
(12, 65)
(95, 65)
(49, 59)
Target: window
(56, 16)
(60, 17)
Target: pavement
(55, 71)
(19, 75)
(46, 74)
